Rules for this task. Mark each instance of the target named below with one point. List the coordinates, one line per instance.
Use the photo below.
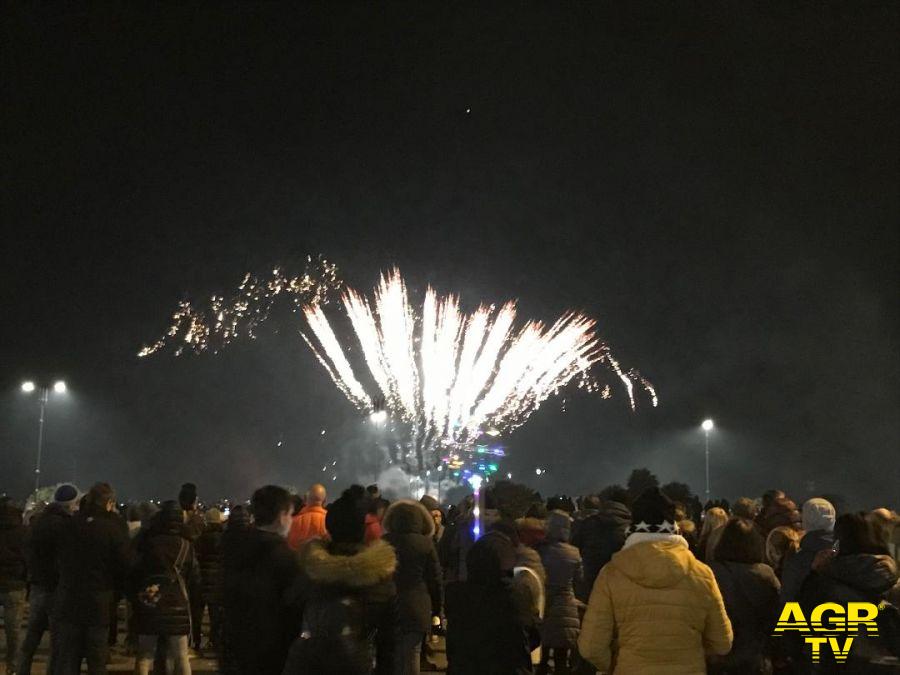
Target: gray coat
(562, 563)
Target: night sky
(717, 183)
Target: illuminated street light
(378, 416)
(59, 387)
(707, 426)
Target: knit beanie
(238, 518)
(187, 496)
(66, 494)
(430, 503)
(818, 514)
(346, 519)
(171, 516)
(653, 511)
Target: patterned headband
(665, 527)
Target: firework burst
(447, 377)
(215, 326)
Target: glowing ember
(227, 319)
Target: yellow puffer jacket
(654, 609)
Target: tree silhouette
(615, 493)
(511, 499)
(678, 492)
(640, 480)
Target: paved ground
(122, 663)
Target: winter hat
(490, 559)
(653, 511)
(66, 494)
(238, 518)
(187, 496)
(559, 526)
(818, 514)
(213, 516)
(171, 515)
(346, 519)
(430, 503)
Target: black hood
(817, 540)
(615, 511)
(866, 572)
(10, 516)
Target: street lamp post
(707, 426)
(59, 387)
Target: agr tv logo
(828, 624)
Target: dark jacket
(798, 566)
(853, 578)
(750, 592)
(42, 545)
(12, 548)
(95, 559)
(260, 622)
(491, 627)
(598, 537)
(158, 548)
(209, 556)
(349, 609)
(409, 529)
(562, 563)
(453, 548)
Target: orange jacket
(373, 528)
(308, 524)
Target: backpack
(160, 593)
(334, 639)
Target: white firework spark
(457, 376)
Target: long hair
(740, 542)
(713, 522)
(781, 542)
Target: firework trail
(226, 319)
(458, 375)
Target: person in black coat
(12, 578)
(209, 555)
(860, 571)
(258, 569)
(409, 528)
(95, 560)
(164, 579)
(818, 523)
(349, 597)
(41, 544)
(750, 591)
(598, 537)
(491, 627)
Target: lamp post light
(707, 426)
(28, 387)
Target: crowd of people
(615, 583)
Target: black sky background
(716, 183)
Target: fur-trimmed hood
(370, 565)
(408, 517)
